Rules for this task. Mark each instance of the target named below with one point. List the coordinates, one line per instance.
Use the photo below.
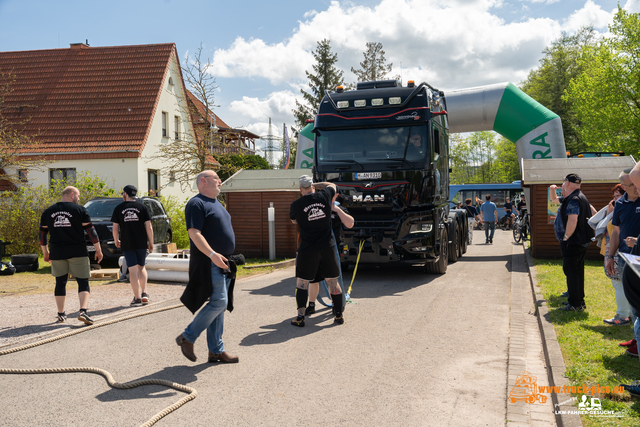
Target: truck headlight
(421, 228)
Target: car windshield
(101, 207)
(403, 147)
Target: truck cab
(386, 149)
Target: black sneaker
(137, 302)
(145, 298)
(565, 295)
(569, 307)
(61, 318)
(310, 310)
(339, 319)
(298, 321)
(84, 317)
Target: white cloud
(633, 6)
(451, 45)
(590, 14)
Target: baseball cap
(306, 181)
(130, 190)
(573, 177)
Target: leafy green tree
(506, 167)
(479, 158)
(232, 163)
(374, 66)
(325, 76)
(606, 95)
(548, 83)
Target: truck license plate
(369, 175)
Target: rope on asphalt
(192, 392)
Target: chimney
(79, 46)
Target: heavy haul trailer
(386, 149)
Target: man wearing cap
(316, 258)
(574, 234)
(132, 222)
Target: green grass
(589, 346)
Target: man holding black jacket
(212, 241)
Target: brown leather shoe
(223, 357)
(187, 348)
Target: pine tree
(326, 77)
(374, 66)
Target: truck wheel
(440, 267)
(454, 248)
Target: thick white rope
(192, 392)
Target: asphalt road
(415, 350)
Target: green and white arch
(507, 110)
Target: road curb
(562, 402)
(281, 264)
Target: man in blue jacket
(489, 216)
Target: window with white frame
(165, 133)
(176, 132)
(23, 175)
(68, 174)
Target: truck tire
(24, 259)
(440, 267)
(464, 236)
(454, 247)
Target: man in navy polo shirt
(626, 221)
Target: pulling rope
(166, 411)
(355, 270)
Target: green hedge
(22, 209)
(175, 210)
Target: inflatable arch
(502, 107)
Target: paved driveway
(415, 350)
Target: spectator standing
(508, 210)
(574, 234)
(67, 221)
(623, 309)
(489, 216)
(315, 259)
(132, 220)
(212, 242)
(626, 221)
(472, 216)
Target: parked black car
(101, 209)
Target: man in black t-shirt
(315, 258)
(522, 206)
(134, 219)
(67, 221)
(339, 217)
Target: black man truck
(386, 148)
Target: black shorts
(317, 265)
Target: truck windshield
(403, 147)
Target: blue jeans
(489, 226)
(211, 316)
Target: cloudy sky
(261, 49)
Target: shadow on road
(178, 374)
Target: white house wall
(169, 101)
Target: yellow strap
(355, 269)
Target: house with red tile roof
(237, 141)
(104, 110)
